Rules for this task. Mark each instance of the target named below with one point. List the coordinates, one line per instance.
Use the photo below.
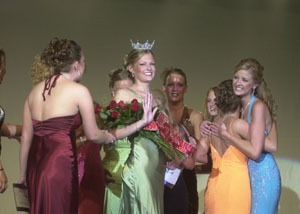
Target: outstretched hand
(147, 106)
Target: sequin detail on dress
(265, 181)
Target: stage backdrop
(206, 38)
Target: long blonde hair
(262, 91)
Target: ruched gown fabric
(228, 187)
(91, 191)
(52, 175)
(115, 156)
(143, 179)
(265, 180)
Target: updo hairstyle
(226, 100)
(57, 57)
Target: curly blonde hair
(57, 57)
(262, 91)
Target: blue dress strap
(249, 114)
(250, 109)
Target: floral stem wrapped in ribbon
(160, 131)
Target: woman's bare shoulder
(196, 116)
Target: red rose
(135, 107)
(122, 105)
(134, 101)
(112, 104)
(115, 114)
(98, 109)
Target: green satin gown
(143, 179)
(115, 156)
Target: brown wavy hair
(172, 70)
(226, 100)
(117, 75)
(262, 91)
(57, 57)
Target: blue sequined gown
(265, 181)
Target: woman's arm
(9, 130)
(200, 155)
(27, 133)
(147, 117)
(196, 120)
(256, 137)
(3, 179)
(271, 140)
(86, 108)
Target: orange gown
(228, 187)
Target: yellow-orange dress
(228, 187)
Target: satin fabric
(228, 187)
(115, 156)
(143, 179)
(91, 190)
(52, 175)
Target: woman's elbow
(201, 158)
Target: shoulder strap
(49, 86)
(250, 109)
(136, 94)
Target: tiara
(145, 46)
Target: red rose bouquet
(159, 131)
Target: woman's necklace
(244, 109)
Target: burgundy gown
(52, 174)
(91, 192)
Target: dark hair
(2, 58)
(172, 70)
(57, 57)
(226, 100)
(118, 74)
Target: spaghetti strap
(250, 109)
(49, 86)
(136, 94)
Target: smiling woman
(143, 172)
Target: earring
(253, 91)
(132, 74)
